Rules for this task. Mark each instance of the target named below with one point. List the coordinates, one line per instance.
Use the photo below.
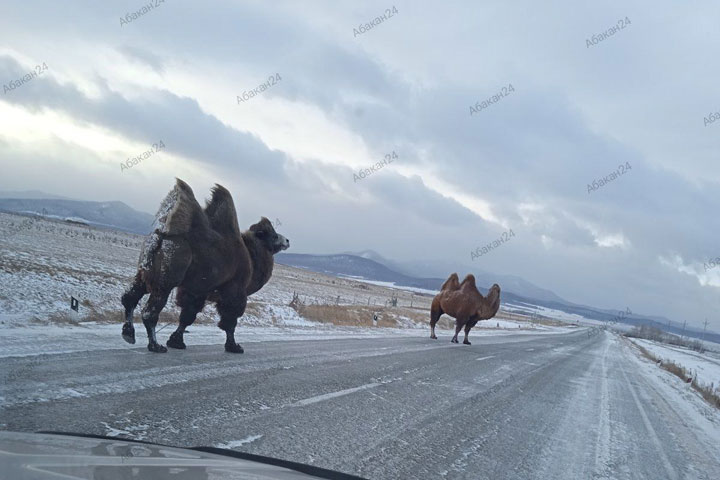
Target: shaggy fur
(220, 211)
(184, 210)
(202, 253)
(465, 303)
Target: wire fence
(361, 300)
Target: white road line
(602, 444)
(328, 396)
(651, 431)
(485, 358)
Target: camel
(203, 254)
(465, 303)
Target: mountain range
(113, 214)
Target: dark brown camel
(203, 253)
(465, 303)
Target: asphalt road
(543, 406)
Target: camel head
(494, 292)
(490, 304)
(265, 232)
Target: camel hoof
(454, 340)
(176, 341)
(467, 342)
(433, 337)
(128, 333)
(156, 347)
(233, 348)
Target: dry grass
(540, 319)
(676, 370)
(360, 316)
(707, 392)
(61, 318)
(344, 315)
(644, 352)
(92, 313)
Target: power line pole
(683, 330)
(704, 328)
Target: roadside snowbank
(706, 366)
(684, 399)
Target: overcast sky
(406, 85)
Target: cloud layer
(406, 86)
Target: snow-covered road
(565, 406)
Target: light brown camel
(465, 303)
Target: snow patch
(238, 443)
(390, 285)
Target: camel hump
(468, 282)
(177, 211)
(452, 283)
(220, 211)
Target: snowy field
(45, 262)
(704, 366)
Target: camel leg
(458, 326)
(130, 300)
(468, 326)
(168, 264)
(435, 314)
(151, 312)
(233, 301)
(228, 321)
(191, 305)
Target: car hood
(36, 456)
